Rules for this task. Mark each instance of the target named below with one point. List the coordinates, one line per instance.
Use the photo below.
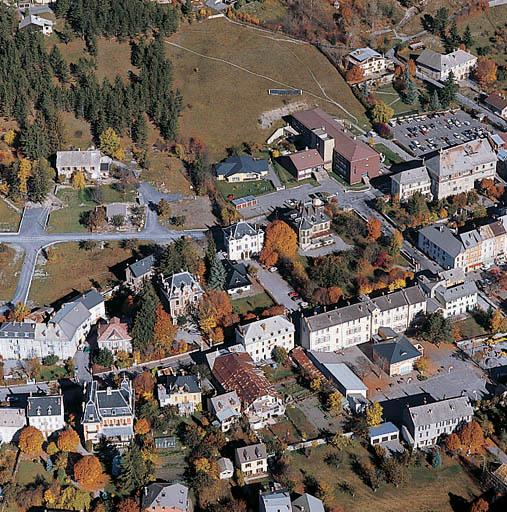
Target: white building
(38, 22)
(46, 414)
(424, 425)
(226, 408)
(406, 183)
(358, 323)
(456, 169)
(252, 460)
(225, 468)
(261, 337)
(182, 292)
(12, 421)
(242, 241)
(370, 61)
(114, 337)
(438, 66)
(92, 163)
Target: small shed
(383, 433)
(225, 468)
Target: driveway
(82, 362)
(148, 194)
(277, 287)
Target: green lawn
(301, 423)
(277, 374)
(469, 328)
(391, 157)
(29, 472)
(9, 217)
(248, 188)
(390, 97)
(255, 304)
(53, 372)
(424, 489)
(356, 186)
(67, 219)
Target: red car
(293, 294)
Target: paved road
(32, 236)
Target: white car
(273, 269)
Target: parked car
(273, 269)
(293, 294)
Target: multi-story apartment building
(455, 170)
(114, 336)
(109, 413)
(438, 66)
(369, 61)
(182, 292)
(407, 183)
(182, 391)
(312, 225)
(242, 241)
(252, 460)
(46, 414)
(261, 337)
(467, 251)
(449, 292)
(341, 151)
(358, 323)
(425, 424)
(61, 335)
(234, 370)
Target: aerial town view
(253, 256)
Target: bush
(383, 130)
(50, 360)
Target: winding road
(32, 237)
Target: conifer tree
(135, 470)
(435, 101)
(217, 275)
(144, 323)
(467, 38)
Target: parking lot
(422, 134)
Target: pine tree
(410, 97)
(39, 185)
(467, 38)
(435, 101)
(135, 470)
(211, 252)
(217, 275)
(144, 323)
(448, 93)
(140, 129)
(436, 459)
(14, 182)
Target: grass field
(425, 488)
(9, 217)
(67, 219)
(10, 265)
(81, 269)
(301, 423)
(166, 173)
(391, 157)
(29, 472)
(223, 104)
(413, 26)
(469, 328)
(247, 188)
(76, 132)
(255, 304)
(390, 97)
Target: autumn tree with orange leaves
(354, 74)
(31, 440)
(142, 427)
(479, 505)
(485, 72)
(453, 443)
(164, 330)
(374, 227)
(280, 240)
(471, 435)
(215, 311)
(89, 474)
(67, 440)
(127, 505)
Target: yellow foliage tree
(280, 240)
(9, 137)
(374, 414)
(397, 284)
(316, 384)
(142, 427)
(30, 440)
(109, 142)
(202, 465)
(23, 174)
(334, 402)
(68, 440)
(78, 181)
(89, 474)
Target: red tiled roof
(114, 327)
(346, 143)
(306, 159)
(304, 362)
(235, 372)
(496, 100)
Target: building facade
(237, 169)
(425, 425)
(358, 323)
(243, 240)
(407, 183)
(46, 414)
(369, 61)
(92, 163)
(12, 421)
(261, 337)
(114, 336)
(312, 225)
(182, 292)
(252, 460)
(438, 66)
(165, 497)
(397, 356)
(139, 272)
(181, 391)
(109, 413)
(226, 408)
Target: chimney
(424, 401)
(108, 391)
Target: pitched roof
(338, 316)
(236, 275)
(235, 372)
(251, 452)
(347, 144)
(241, 164)
(44, 405)
(188, 383)
(90, 299)
(305, 216)
(453, 293)
(167, 496)
(32, 19)
(18, 330)
(410, 176)
(181, 281)
(461, 158)
(452, 408)
(396, 351)
(107, 402)
(443, 63)
(226, 405)
(276, 501)
(142, 267)
(78, 159)
(307, 503)
(383, 429)
(12, 418)
(72, 316)
(496, 100)
(307, 159)
(265, 328)
(441, 236)
(114, 330)
(362, 54)
(239, 230)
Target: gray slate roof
(306, 216)
(452, 408)
(239, 230)
(108, 402)
(18, 330)
(410, 176)
(170, 496)
(236, 275)
(443, 237)
(45, 405)
(32, 19)
(78, 159)
(307, 503)
(71, 317)
(240, 164)
(142, 267)
(396, 351)
(251, 452)
(190, 383)
(383, 429)
(90, 299)
(452, 293)
(443, 63)
(266, 328)
(12, 418)
(180, 281)
(362, 54)
(276, 501)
